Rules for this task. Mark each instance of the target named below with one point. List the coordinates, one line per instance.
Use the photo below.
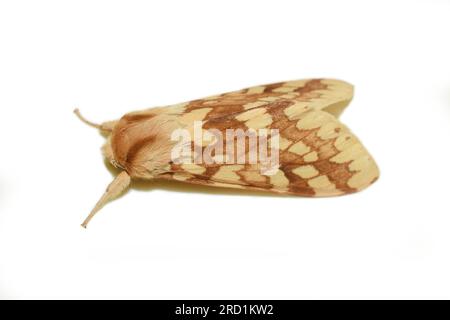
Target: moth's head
(106, 129)
(108, 153)
(139, 142)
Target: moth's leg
(115, 189)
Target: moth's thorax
(140, 143)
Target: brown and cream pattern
(318, 155)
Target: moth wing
(325, 94)
(225, 176)
(329, 95)
(318, 155)
(321, 155)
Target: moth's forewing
(318, 156)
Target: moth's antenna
(115, 189)
(105, 126)
(89, 123)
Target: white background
(166, 241)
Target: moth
(316, 155)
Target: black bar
(225, 309)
